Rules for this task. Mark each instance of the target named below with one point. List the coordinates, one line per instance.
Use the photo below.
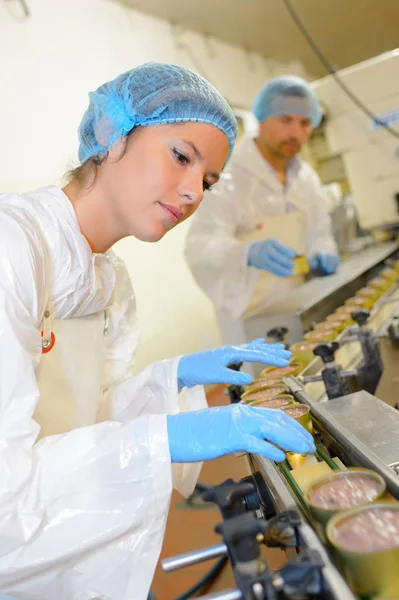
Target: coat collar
(247, 156)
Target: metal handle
(311, 379)
(314, 378)
(191, 558)
(225, 595)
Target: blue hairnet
(287, 95)
(151, 94)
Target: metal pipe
(191, 558)
(225, 595)
(351, 373)
(314, 378)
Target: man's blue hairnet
(152, 94)
(287, 95)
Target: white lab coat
(249, 194)
(82, 512)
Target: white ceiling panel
(347, 31)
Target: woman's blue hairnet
(287, 94)
(152, 94)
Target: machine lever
(277, 334)
(230, 497)
(370, 371)
(326, 351)
(361, 316)
(242, 535)
(332, 375)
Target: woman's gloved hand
(324, 263)
(210, 433)
(212, 366)
(272, 256)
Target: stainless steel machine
(314, 300)
(350, 387)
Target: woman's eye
(181, 158)
(207, 186)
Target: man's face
(285, 135)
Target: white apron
(290, 229)
(69, 377)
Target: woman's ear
(117, 150)
(104, 131)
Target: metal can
(389, 273)
(278, 402)
(371, 571)
(302, 352)
(278, 373)
(321, 335)
(370, 293)
(264, 393)
(343, 482)
(380, 283)
(300, 413)
(357, 303)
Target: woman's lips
(173, 213)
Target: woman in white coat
(87, 449)
(269, 207)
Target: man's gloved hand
(213, 432)
(212, 366)
(272, 256)
(324, 263)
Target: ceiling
(347, 31)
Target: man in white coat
(268, 208)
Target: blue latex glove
(272, 256)
(212, 366)
(324, 263)
(206, 434)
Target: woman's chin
(153, 234)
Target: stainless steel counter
(372, 422)
(320, 296)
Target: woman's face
(161, 178)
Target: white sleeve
(82, 514)
(152, 391)
(217, 259)
(319, 234)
